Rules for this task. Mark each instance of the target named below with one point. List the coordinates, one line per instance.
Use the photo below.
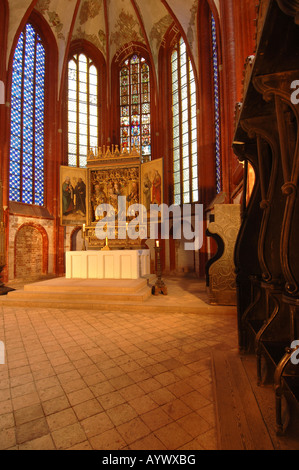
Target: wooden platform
(240, 424)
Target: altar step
(80, 294)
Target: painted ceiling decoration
(111, 25)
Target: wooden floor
(245, 412)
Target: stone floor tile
(61, 419)
(166, 378)
(133, 430)
(73, 385)
(6, 421)
(5, 395)
(143, 404)
(121, 382)
(110, 400)
(139, 375)
(21, 380)
(102, 388)
(94, 379)
(180, 388)
(173, 436)
(25, 400)
(195, 400)
(41, 443)
(192, 445)
(82, 446)
(121, 414)
(208, 440)
(30, 413)
(150, 442)
(176, 409)
(113, 372)
(80, 396)
(31, 430)
(131, 392)
(55, 405)
(69, 436)
(7, 438)
(162, 396)
(87, 409)
(109, 440)
(156, 419)
(97, 424)
(194, 424)
(6, 407)
(50, 393)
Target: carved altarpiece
(111, 174)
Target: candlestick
(159, 287)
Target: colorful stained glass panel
(135, 105)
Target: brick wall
(28, 253)
(31, 247)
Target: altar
(110, 264)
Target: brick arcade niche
(30, 252)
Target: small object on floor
(159, 288)
(4, 290)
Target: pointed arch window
(135, 106)
(184, 127)
(26, 178)
(83, 126)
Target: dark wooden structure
(267, 250)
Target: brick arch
(74, 234)
(31, 250)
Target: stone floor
(110, 380)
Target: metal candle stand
(159, 287)
(84, 238)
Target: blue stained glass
(27, 119)
(39, 126)
(15, 104)
(27, 146)
(15, 141)
(216, 105)
(27, 196)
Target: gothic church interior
(190, 104)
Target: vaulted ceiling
(109, 24)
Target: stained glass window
(26, 178)
(184, 127)
(135, 106)
(82, 109)
(216, 105)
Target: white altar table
(113, 264)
